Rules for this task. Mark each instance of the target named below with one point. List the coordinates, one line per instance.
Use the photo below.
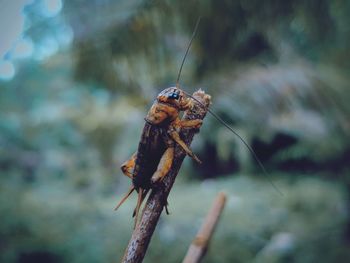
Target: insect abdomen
(149, 153)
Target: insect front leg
(176, 137)
(128, 166)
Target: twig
(142, 234)
(200, 244)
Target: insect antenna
(266, 174)
(187, 50)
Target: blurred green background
(77, 78)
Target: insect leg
(164, 165)
(128, 166)
(166, 208)
(176, 137)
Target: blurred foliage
(46, 226)
(278, 74)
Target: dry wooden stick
(142, 234)
(200, 244)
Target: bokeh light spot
(52, 7)
(7, 70)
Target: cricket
(153, 159)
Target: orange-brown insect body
(161, 120)
(155, 153)
(150, 150)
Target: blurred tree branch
(200, 244)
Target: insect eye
(173, 96)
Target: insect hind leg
(164, 165)
(128, 166)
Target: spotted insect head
(175, 97)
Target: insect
(155, 153)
